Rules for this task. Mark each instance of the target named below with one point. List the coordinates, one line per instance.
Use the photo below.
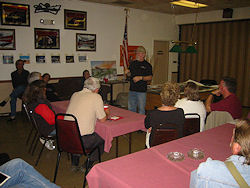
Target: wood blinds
(223, 50)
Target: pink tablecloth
(151, 168)
(130, 122)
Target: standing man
(87, 106)
(19, 80)
(140, 73)
(230, 103)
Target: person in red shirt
(230, 102)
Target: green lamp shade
(176, 48)
(191, 50)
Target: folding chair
(69, 140)
(192, 124)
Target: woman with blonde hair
(191, 103)
(167, 113)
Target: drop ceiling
(164, 6)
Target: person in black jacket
(19, 83)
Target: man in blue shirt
(214, 173)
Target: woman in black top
(167, 113)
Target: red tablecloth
(151, 168)
(129, 122)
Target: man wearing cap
(140, 73)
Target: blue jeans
(17, 92)
(137, 99)
(24, 175)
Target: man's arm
(13, 79)
(210, 99)
(107, 112)
(144, 78)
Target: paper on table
(115, 117)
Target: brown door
(161, 60)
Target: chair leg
(28, 138)
(35, 146)
(86, 172)
(40, 154)
(33, 140)
(99, 155)
(57, 165)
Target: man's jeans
(24, 175)
(17, 92)
(137, 99)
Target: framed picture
(8, 59)
(40, 59)
(55, 59)
(85, 42)
(75, 19)
(47, 38)
(15, 14)
(69, 59)
(7, 39)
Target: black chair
(165, 133)
(69, 140)
(192, 124)
(39, 136)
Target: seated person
(19, 83)
(35, 98)
(50, 91)
(167, 113)
(34, 76)
(214, 173)
(230, 103)
(191, 103)
(23, 175)
(87, 107)
(85, 76)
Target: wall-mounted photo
(69, 59)
(8, 59)
(104, 69)
(15, 14)
(7, 39)
(85, 42)
(82, 58)
(55, 59)
(75, 19)
(25, 58)
(47, 38)
(40, 59)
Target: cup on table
(106, 107)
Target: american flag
(125, 46)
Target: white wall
(107, 22)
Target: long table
(152, 168)
(130, 122)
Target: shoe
(12, 118)
(3, 103)
(50, 145)
(42, 140)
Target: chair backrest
(68, 135)
(25, 107)
(216, 118)
(191, 124)
(164, 133)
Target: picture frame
(75, 19)
(15, 14)
(85, 42)
(7, 39)
(47, 38)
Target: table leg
(116, 138)
(130, 142)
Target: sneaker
(42, 140)
(50, 145)
(3, 103)
(12, 118)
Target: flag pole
(125, 46)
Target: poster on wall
(47, 38)
(8, 59)
(104, 70)
(82, 58)
(55, 59)
(69, 59)
(131, 54)
(7, 39)
(75, 19)
(15, 14)
(25, 58)
(85, 42)
(40, 59)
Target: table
(111, 83)
(151, 168)
(108, 130)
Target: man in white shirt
(87, 106)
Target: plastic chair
(69, 140)
(192, 124)
(165, 133)
(39, 136)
